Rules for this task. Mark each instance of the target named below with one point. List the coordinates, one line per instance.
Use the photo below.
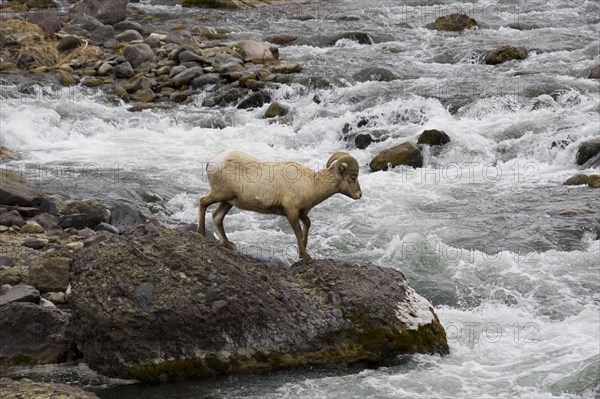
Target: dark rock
(153, 42)
(102, 34)
(106, 11)
(128, 25)
(275, 109)
(105, 69)
(95, 211)
(11, 218)
(66, 78)
(255, 100)
(14, 275)
(20, 293)
(190, 56)
(595, 72)
(6, 260)
(203, 80)
(211, 312)
(50, 274)
(86, 22)
(589, 150)
(454, 22)
(139, 53)
(185, 77)
(77, 221)
(224, 59)
(125, 217)
(35, 243)
(505, 53)
(360, 37)
(577, 180)
(282, 39)
(594, 181)
(139, 83)
(225, 96)
(27, 211)
(362, 140)
(46, 220)
(124, 70)
(433, 137)
(226, 4)
(375, 74)
(129, 36)
(33, 334)
(26, 388)
(404, 154)
(108, 228)
(24, 60)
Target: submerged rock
(404, 154)
(176, 306)
(595, 72)
(375, 74)
(433, 137)
(505, 53)
(580, 179)
(455, 22)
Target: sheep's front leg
(306, 221)
(294, 219)
(218, 217)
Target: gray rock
(15, 190)
(129, 36)
(31, 227)
(125, 217)
(27, 211)
(153, 42)
(124, 70)
(170, 302)
(143, 296)
(6, 260)
(86, 22)
(223, 59)
(185, 77)
(254, 51)
(505, 53)
(33, 334)
(105, 69)
(77, 221)
(14, 275)
(20, 293)
(11, 218)
(106, 11)
(68, 43)
(5, 288)
(50, 274)
(138, 53)
(102, 34)
(108, 228)
(57, 298)
(203, 80)
(176, 70)
(86, 233)
(454, 22)
(49, 20)
(225, 96)
(128, 25)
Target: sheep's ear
(342, 167)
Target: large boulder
(505, 53)
(106, 11)
(20, 293)
(254, 51)
(175, 306)
(455, 22)
(95, 211)
(33, 334)
(137, 54)
(50, 273)
(15, 190)
(28, 389)
(589, 150)
(433, 137)
(404, 154)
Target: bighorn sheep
(283, 188)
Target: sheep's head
(346, 169)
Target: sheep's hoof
(306, 258)
(229, 245)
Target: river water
(509, 257)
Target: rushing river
(509, 257)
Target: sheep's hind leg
(306, 221)
(218, 216)
(294, 219)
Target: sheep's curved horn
(336, 157)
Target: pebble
(75, 245)
(35, 243)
